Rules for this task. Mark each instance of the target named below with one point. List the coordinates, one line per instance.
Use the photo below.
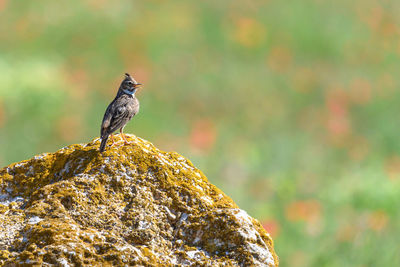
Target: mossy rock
(131, 205)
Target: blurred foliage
(290, 107)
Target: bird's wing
(106, 120)
(121, 114)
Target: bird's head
(129, 85)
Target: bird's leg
(123, 136)
(112, 139)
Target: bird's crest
(129, 77)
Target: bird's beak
(138, 85)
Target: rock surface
(131, 205)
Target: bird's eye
(129, 82)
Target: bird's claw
(126, 142)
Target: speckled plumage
(121, 110)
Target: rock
(131, 205)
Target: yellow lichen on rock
(131, 205)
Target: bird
(120, 111)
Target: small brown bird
(121, 110)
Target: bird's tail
(103, 143)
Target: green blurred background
(290, 107)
